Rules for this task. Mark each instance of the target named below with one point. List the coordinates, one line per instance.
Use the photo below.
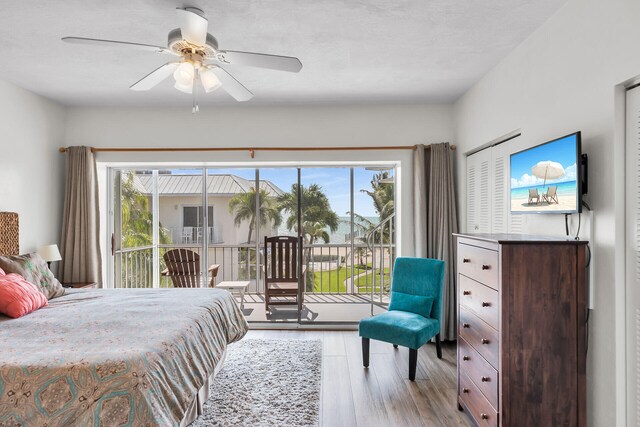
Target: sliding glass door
(215, 221)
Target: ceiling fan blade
(155, 77)
(231, 85)
(85, 40)
(261, 60)
(193, 25)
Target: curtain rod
(251, 150)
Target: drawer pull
(486, 304)
(485, 341)
(485, 379)
(466, 292)
(466, 260)
(465, 357)
(485, 267)
(484, 416)
(466, 325)
(465, 390)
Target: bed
(112, 357)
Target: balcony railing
(194, 235)
(343, 268)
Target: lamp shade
(49, 253)
(184, 73)
(188, 88)
(209, 80)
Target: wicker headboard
(9, 234)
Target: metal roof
(192, 184)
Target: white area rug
(266, 383)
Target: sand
(566, 203)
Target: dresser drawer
(483, 300)
(483, 375)
(480, 264)
(480, 335)
(479, 408)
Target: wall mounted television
(550, 177)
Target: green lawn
(364, 283)
(332, 281)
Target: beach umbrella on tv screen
(547, 170)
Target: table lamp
(49, 253)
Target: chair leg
(438, 346)
(413, 361)
(365, 352)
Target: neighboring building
(181, 206)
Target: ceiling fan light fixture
(188, 88)
(210, 81)
(184, 74)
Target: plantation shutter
(479, 192)
(632, 233)
(499, 185)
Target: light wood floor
(381, 395)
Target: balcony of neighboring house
(190, 235)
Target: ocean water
(569, 188)
(344, 228)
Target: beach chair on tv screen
(551, 195)
(533, 195)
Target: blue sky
(334, 182)
(562, 151)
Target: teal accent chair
(414, 313)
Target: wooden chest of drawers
(521, 330)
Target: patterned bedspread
(113, 357)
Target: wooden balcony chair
(281, 271)
(533, 195)
(551, 195)
(183, 267)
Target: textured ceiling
(353, 51)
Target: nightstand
(87, 285)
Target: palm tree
(315, 211)
(243, 206)
(382, 195)
(315, 231)
(137, 218)
(137, 226)
(316, 215)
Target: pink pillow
(2, 273)
(19, 297)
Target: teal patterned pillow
(35, 270)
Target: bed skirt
(197, 405)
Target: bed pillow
(34, 269)
(19, 297)
(2, 273)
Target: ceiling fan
(198, 59)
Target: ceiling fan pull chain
(195, 92)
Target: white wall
(560, 80)
(31, 169)
(245, 125)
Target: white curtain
(435, 219)
(80, 243)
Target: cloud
(526, 180)
(570, 173)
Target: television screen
(547, 178)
